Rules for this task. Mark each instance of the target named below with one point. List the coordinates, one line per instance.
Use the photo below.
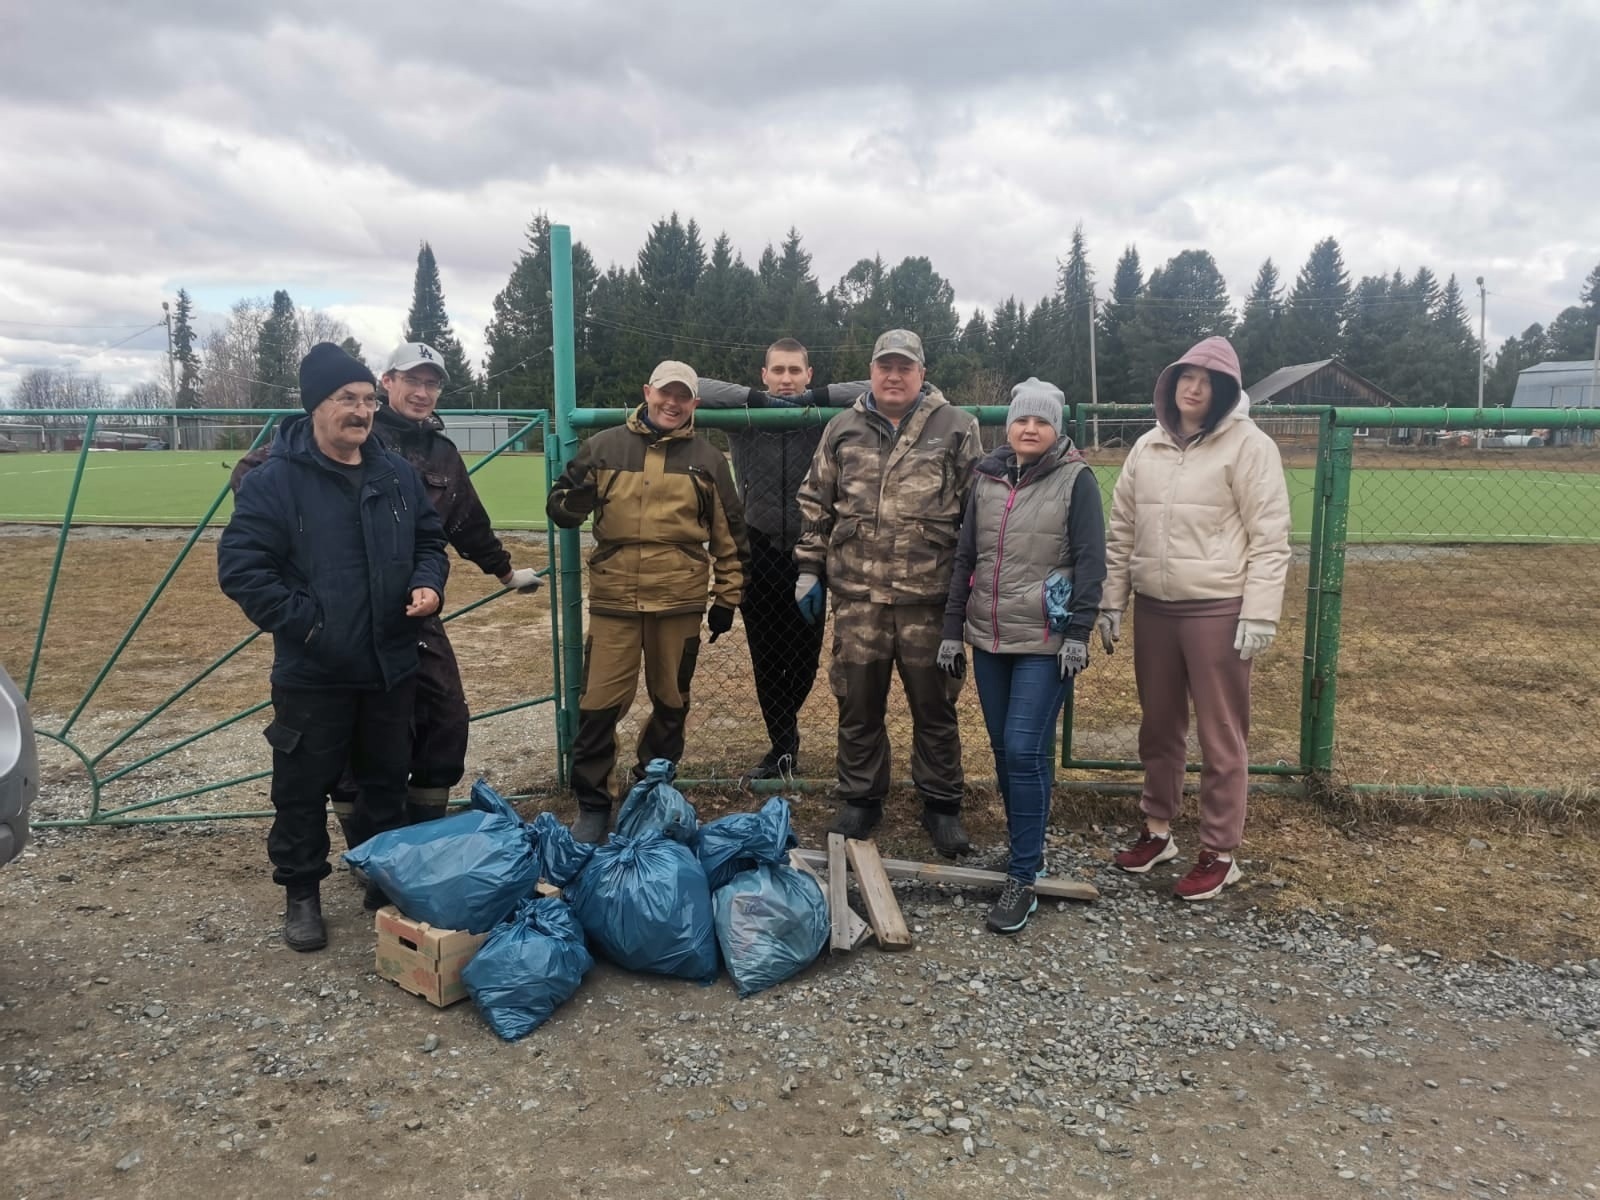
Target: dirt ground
(156, 1039)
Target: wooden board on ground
(883, 910)
(838, 895)
(901, 868)
(857, 930)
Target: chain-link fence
(1450, 583)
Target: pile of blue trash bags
(664, 895)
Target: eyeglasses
(347, 401)
(431, 384)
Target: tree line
(1408, 333)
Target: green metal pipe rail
(98, 773)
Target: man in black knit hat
(335, 550)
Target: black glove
(719, 620)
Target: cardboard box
(423, 960)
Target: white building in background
(1559, 385)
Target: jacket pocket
(938, 534)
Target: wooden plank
(900, 868)
(838, 895)
(883, 910)
(858, 930)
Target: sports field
(141, 487)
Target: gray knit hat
(1034, 397)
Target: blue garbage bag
(772, 922)
(740, 841)
(653, 803)
(463, 872)
(532, 964)
(561, 856)
(645, 905)
(1057, 591)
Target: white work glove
(524, 579)
(1253, 637)
(1109, 624)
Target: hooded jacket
(881, 505)
(327, 567)
(1207, 518)
(659, 499)
(1020, 527)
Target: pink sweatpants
(1184, 649)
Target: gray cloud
(311, 146)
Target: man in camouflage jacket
(881, 510)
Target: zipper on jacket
(999, 556)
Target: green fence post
(569, 591)
(1308, 665)
(55, 565)
(1322, 678)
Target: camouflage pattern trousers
(871, 642)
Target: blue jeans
(1022, 695)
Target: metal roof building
(1326, 382)
(1556, 385)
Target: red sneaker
(1146, 852)
(1210, 875)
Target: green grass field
(140, 487)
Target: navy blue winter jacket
(327, 572)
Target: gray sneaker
(1016, 904)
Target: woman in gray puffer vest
(1025, 592)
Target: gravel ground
(156, 1039)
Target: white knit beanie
(1035, 398)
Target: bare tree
(230, 356)
(318, 326)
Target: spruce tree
(184, 355)
(429, 322)
(1067, 323)
(519, 336)
(277, 355)
(1185, 300)
(1261, 328)
(1112, 362)
(719, 338)
(1313, 321)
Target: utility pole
(172, 373)
(1483, 351)
(1094, 383)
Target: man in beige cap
(668, 525)
(880, 514)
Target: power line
(60, 324)
(123, 342)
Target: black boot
(591, 825)
(857, 820)
(774, 764)
(1016, 904)
(302, 921)
(949, 838)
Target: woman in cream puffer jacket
(1199, 540)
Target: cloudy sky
(237, 148)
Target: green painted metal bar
(173, 699)
(1319, 503)
(536, 420)
(1119, 764)
(165, 819)
(1147, 413)
(565, 445)
(61, 549)
(1096, 787)
(547, 698)
(1330, 586)
(1469, 418)
(180, 744)
(112, 813)
(155, 595)
(552, 557)
(747, 418)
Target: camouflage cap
(902, 342)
